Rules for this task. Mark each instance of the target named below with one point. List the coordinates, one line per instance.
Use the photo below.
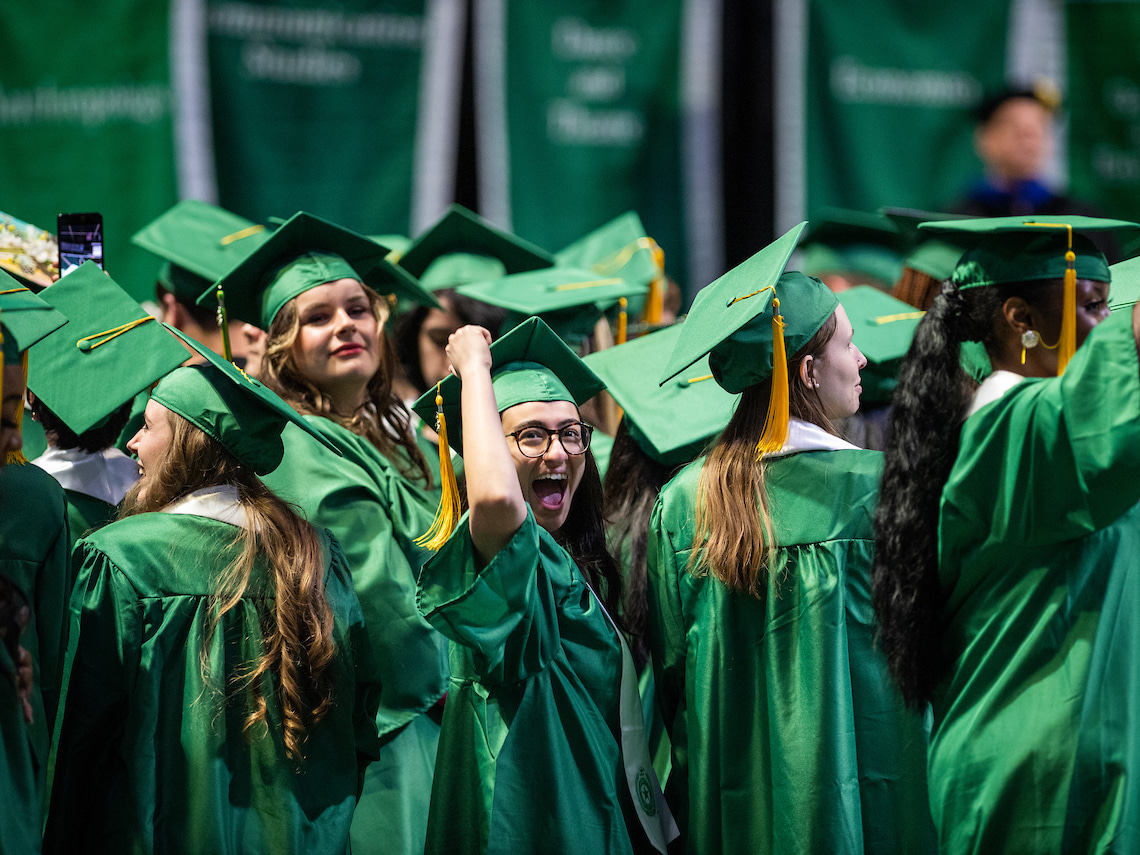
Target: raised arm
(495, 500)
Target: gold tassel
(17, 456)
(623, 321)
(447, 515)
(655, 302)
(776, 422)
(1069, 315)
(224, 326)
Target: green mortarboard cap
(731, 318)
(530, 363)
(845, 241)
(232, 408)
(1025, 249)
(200, 243)
(671, 423)
(568, 299)
(394, 243)
(934, 255)
(1125, 291)
(462, 232)
(618, 248)
(883, 329)
(25, 318)
(303, 253)
(112, 350)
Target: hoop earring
(1029, 339)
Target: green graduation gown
(148, 757)
(21, 815)
(375, 513)
(788, 735)
(1034, 740)
(529, 756)
(34, 544)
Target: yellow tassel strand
(1069, 316)
(17, 457)
(655, 302)
(447, 515)
(623, 321)
(224, 326)
(776, 422)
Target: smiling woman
(525, 588)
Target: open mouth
(551, 491)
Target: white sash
(640, 776)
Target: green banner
(85, 121)
(1104, 106)
(315, 108)
(890, 89)
(579, 117)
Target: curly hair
(298, 636)
(384, 422)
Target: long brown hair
(733, 539)
(298, 636)
(383, 421)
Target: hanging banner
(315, 107)
(578, 118)
(1103, 104)
(891, 89)
(85, 121)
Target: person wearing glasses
(524, 587)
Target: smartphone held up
(80, 239)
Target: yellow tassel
(655, 302)
(776, 422)
(447, 515)
(1069, 315)
(623, 321)
(224, 326)
(17, 456)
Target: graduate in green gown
(1007, 555)
(316, 288)
(33, 566)
(543, 688)
(219, 693)
(787, 733)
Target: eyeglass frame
(587, 435)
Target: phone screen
(80, 239)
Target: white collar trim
(993, 388)
(805, 436)
(105, 475)
(216, 503)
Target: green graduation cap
(200, 243)
(232, 408)
(672, 423)
(24, 317)
(1035, 248)
(529, 363)
(303, 253)
(932, 254)
(394, 243)
(112, 350)
(568, 299)
(883, 329)
(845, 241)
(1125, 290)
(463, 247)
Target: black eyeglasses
(534, 441)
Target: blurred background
(721, 122)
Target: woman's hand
(469, 349)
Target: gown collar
(216, 503)
(105, 475)
(805, 436)
(993, 388)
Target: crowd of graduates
(454, 544)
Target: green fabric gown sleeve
(375, 514)
(20, 818)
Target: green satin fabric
(34, 548)
(20, 817)
(1038, 545)
(148, 757)
(376, 514)
(529, 755)
(788, 735)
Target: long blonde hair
(733, 538)
(384, 421)
(298, 636)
